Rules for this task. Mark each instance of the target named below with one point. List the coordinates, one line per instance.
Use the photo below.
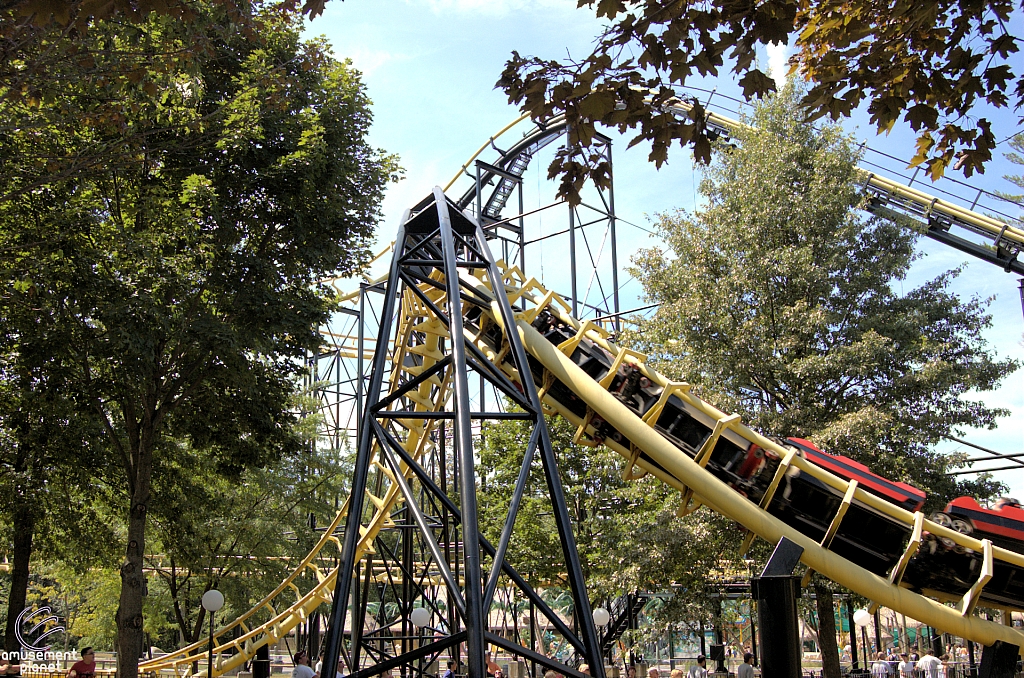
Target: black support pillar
(853, 634)
(938, 647)
(261, 664)
(776, 591)
(999, 660)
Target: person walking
(86, 666)
(492, 665)
(746, 669)
(929, 664)
(905, 669)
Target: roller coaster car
(903, 495)
(682, 424)
(865, 536)
(1003, 524)
(943, 565)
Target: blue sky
(430, 68)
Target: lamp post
(420, 617)
(601, 617)
(213, 600)
(862, 618)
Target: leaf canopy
(940, 66)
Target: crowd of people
(699, 669)
(910, 665)
(894, 664)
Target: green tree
(239, 535)
(78, 12)
(47, 447)
(41, 37)
(188, 269)
(777, 301)
(933, 63)
(1015, 156)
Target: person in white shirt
(746, 669)
(880, 668)
(302, 669)
(906, 667)
(930, 664)
(700, 670)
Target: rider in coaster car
(1005, 501)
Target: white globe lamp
(213, 600)
(420, 617)
(861, 617)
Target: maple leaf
(756, 83)
(921, 116)
(1004, 45)
(923, 63)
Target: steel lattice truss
(409, 470)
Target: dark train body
(865, 536)
(953, 569)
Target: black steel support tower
(412, 542)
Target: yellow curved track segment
(924, 204)
(287, 606)
(698, 486)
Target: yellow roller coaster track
(697, 486)
(893, 194)
(287, 606)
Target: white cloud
(778, 63)
(369, 60)
(490, 7)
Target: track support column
(776, 591)
(261, 664)
(999, 660)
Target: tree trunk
(129, 612)
(24, 523)
(827, 632)
(188, 634)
